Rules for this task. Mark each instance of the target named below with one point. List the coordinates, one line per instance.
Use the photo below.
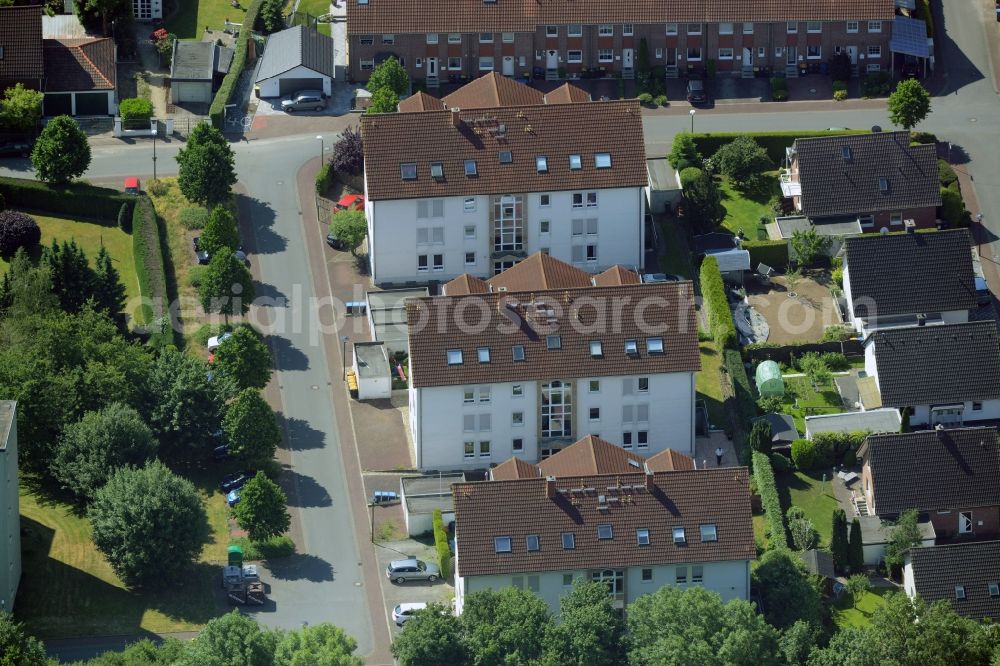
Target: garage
(80, 77)
(196, 69)
(190, 91)
(58, 104)
(298, 58)
(289, 86)
(92, 104)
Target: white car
(404, 612)
(216, 340)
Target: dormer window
(575, 163)
(959, 591)
(553, 342)
(437, 170)
(470, 168)
(679, 537)
(506, 157)
(596, 349)
(604, 532)
(454, 357)
(708, 533)
(568, 540)
(883, 185)
(845, 152)
(484, 354)
(517, 353)
(631, 348)
(602, 160)
(995, 589)
(654, 345)
(408, 170)
(501, 544)
(532, 542)
(642, 536)
(541, 164)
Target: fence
(783, 354)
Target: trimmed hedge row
(217, 111)
(441, 544)
(149, 269)
(774, 253)
(324, 178)
(733, 362)
(76, 199)
(767, 488)
(713, 293)
(773, 142)
(827, 449)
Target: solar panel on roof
(909, 36)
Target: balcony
(789, 186)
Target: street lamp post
(692, 112)
(322, 149)
(343, 355)
(154, 152)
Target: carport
(296, 59)
(909, 38)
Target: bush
(75, 199)
(195, 276)
(779, 89)
(135, 108)
(645, 98)
(770, 404)
(839, 95)
(767, 488)
(17, 230)
(720, 317)
(689, 175)
(660, 100)
(269, 549)
(953, 208)
(826, 449)
(780, 463)
(774, 253)
(441, 544)
(774, 143)
(836, 361)
(207, 331)
(876, 84)
(838, 333)
(683, 152)
(149, 269)
(923, 137)
(218, 108)
(946, 174)
(157, 187)
(733, 363)
(125, 218)
(194, 218)
(323, 179)
(804, 454)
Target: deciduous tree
(909, 104)
(742, 160)
(263, 508)
(348, 153)
(856, 586)
(389, 74)
(182, 405)
(905, 535)
(206, 172)
(786, 592)
(244, 358)
(505, 627)
(61, 152)
(684, 153)
(590, 631)
(18, 647)
(808, 246)
(251, 428)
(17, 230)
(432, 637)
(350, 227)
(838, 541)
(320, 644)
(149, 523)
(384, 100)
(21, 108)
(221, 233)
(231, 640)
(226, 286)
(204, 134)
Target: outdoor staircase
(672, 72)
(552, 75)
(433, 82)
(855, 71)
(747, 72)
(628, 74)
(861, 506)
(791, 72)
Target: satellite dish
(876, 129)
(884, 231)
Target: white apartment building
(478, 187)
(541, 369)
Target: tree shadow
(960, 70)
(287, 357)
(305, 492)
(261, 217)
(302, 566)
(268, 296)
(300, 436)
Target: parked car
(216, 340)
(233, 498)
(351, 202)
(220, 453)
(400, 571)
(304, 100)
(235, 481)
(404, 612)
(241, 257)
(14, 149)
(132, 185)
(334, 242)
(659, 277)
(696, 93)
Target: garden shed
(769, 381)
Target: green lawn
(90, 236)
(314, 7)
(802, 400)
(190, 19)
(68, 589)
(809, 492)
(707, 384)
(846, 615)
(676, 259)
(743, 209)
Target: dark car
(241, 257)
(696, 92)
(235, 481)
(14, 149)
(220, 453)
(334, 242)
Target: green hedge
(774, 253)
(217, 111)
(720, 317)
(441, 544)
(733, 362)
(149, 269)
(767, 488)
(125, 218)
(74, 200)
(827, 449)
(773, 142)
(324, 178)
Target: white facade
(731, 580)
(420, 240)
(865, 325)
(470, 427)
(272, 87)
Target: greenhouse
(769, 382)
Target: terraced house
(451, 39)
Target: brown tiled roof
(404, 16)
(491, 91)
(21, 39)
(567, 93)
(591, 455)
(669, 460)
(540, 271)
(657, 502)
(616, 275)
(465, 284)
(420, 101)
(555, 131)
(79, 64)
(514, 468)
(974, 566)
(500, 320)
(934, 469)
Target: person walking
(719, 452)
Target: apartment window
(471, 170)
(725, 28)
(551, 31)
(642, 413)
(671, 28)
(643, 384)
(575, 163)
(725, 53)
(591, 200)
(517, 390)
(642, 536)
(517, 419)
(470, 449)
(697, 573)
(595, 413)
(517, 446)
(485, 37)
(484, 449)
(604, 532)
(388, 39)
(627, 30)
(748, 28)
(485, 63)
(874, 26)
(557, 410)
(367, 40)
(866, 221)
(421, 262)
(591, 252)
(454, 38)
(875, 51)
(626, 440)
(454, 63)
(791, 27)
(681, 575)
(896, 219)
(605, 30)
(574, 30)
(470, 231)
(544, 200)
(367, 65)
(484, 394)
(708, 533)
(517, 353)
(468, 395)
(574, 56)
(541, 164)
(594, 386)
(438, 262)
(553, 342)
(601, 161)
(568, 541)
(578, 200)
(432, 38)
(408, 170)
(647, 575)
(543, 226)
(761, 52)
(977, 406)
(642, 439)
(501, 544)
(659, 54)
(814, 52)
(814, 26)
(694, 53)
(507, 37)
(567, 580)
(852, 26)
(531, 542)
(965, 522)
(873, 67)
(694, 28)
(469, 204)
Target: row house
(475, 182)
(635, 532)
(457, 39)
(526, 373)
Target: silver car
(304, 100)
(400, 571)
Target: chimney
(921, 320)
(550, 487)
(649, 481)
(456, 122)
(939, 427)
(910, 226)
